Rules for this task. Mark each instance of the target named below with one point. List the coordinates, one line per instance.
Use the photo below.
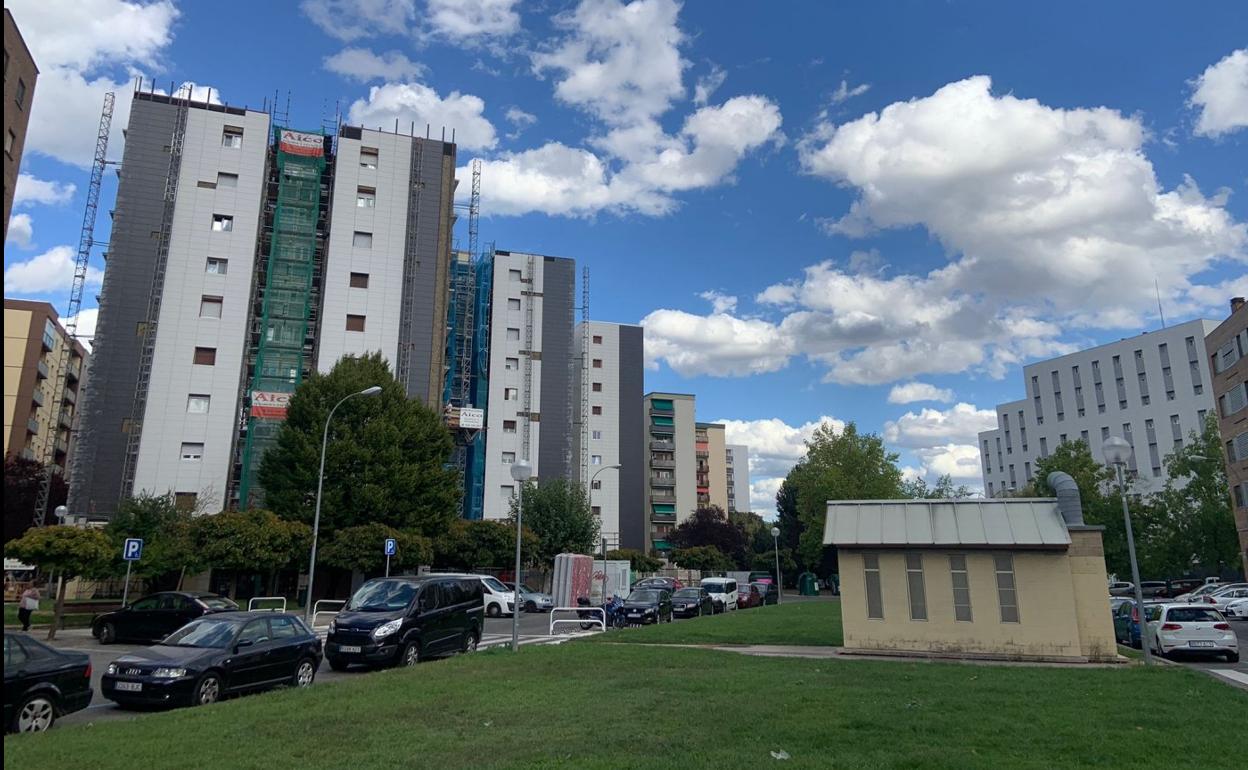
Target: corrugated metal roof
(1019, 522)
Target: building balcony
(662, 481)
(32, 426)
(668, 446)
(70, 395)
(662, 497)
(663, 518)
(667, 430)
(41, 370)
(74, 372)
(36, 397)
(62, 446)
(662, 463)
(28, 453)
(66, 418)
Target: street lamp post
(1117, 453)
(592, 479)
(520, 472)
(320, 483)
(775, 539)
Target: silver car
(1236, 609)
(533, 601)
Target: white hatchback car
(1236, 609)
(1192, 628)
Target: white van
(499, 600)
(723, 592)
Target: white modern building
(1152, 390)
(529, 414)
(609, 388)
(738, 462)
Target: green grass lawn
(598, 706)
(802, 622)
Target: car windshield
(495, 584)
(216, 602)
(382, 596)
(716, 588)
(203, 633)
(644, 597)
(687, 593)
(1193, 615)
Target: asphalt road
(1231, 673)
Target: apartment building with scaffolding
(236, 267)
(737, 473)
(609, 388)
(671, 491)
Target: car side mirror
(241, 643)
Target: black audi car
(154, 617)
(648, 605)
(692, 602)
(222, 654)
(42, 683)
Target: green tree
(944, 489)
(70, 552)
(767, 561)
(362, 548)
(484, 544)
(558, 513)
(251, 541)
(1098, 494)
(706, 558)
(386, 461)
(709, 526)
(838, 466)
(788, 520)
(168, 547)
(22, 478)
(637, 561)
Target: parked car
(154, 617)
(218, 655)
(1206, 590)
(532, 601)
(1127, 622)
(1236, 609)
(760, 575)
(1153, 589)
(499, 599)
(1180, 586)
(770, 592)
(648, 605)
(1121, 588)
(1115, 602)
(403, 620)
(748, 596)
(1192, 628)
(1219, 599)
(42, 683)
(723, 591)
(662, 583)
(692, 602)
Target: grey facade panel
(96, 477)
(632, 437)
(554, 452)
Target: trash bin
(807, 585)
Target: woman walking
(29, 603)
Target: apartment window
(226, 180)
(597, 410)
(509, 458)
(1232, 401)
(596, 510)
(210, 307)
(1150, 431)
(511, 364)
(197, 403)
(597, 363)
(232, 137)
(1176, 431)
(961, 588)
(914, 585)
(513, 334)
(368, 157)
(871, 575)
(1027, 470)
(216, 266)
(510, 394)
(20, 99)
(205, 356)
(1104, 433)
(509, 426)
(365, 198)
(222, 223)
(507, 491)
(1044, 447)
(597, 339)
(1007, 592)
(513, 304)
(10, 139)
(192, 452)
(597, 387)
(596, 485)
(355, 323)
(597, 434)
(514, 275)
(185, 501)
(359, 280)
(595, 459)
(362, 240)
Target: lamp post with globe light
(520, 472)
(775, 539)
(1117, 452)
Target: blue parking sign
(391, 546)
(133, 549)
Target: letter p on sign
(133, 549)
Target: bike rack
(602, 623)
(251, 603)
(317, 611)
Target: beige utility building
(1006, 579)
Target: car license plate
(130, 686)
(1200, 644)
(634, 614)
(350, 648)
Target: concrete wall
(739, 479)
(717, 462)
(1229, 343)
(1058, 606)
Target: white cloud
(20, 231)
(719, 345)
(519, 118)
(910, 392)
(959, 424)
(89, 33)
(414, 102)
(775, 447)
(1220, 94)
(349, 20)
(50, 271)
(552, 179)
(721, 303)
(31, 190)
(66, 113)
(707, 85)
(844, 92)
(960, 461)
(87, 319)
(197, 92)
(763, 496)
(460, 19)
(363, 65)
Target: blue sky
(873, 212)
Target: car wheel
(305, 672)
(207, 691)
(470, 642)
(530, 606)
(37, 714)
(107, 634)
(338, 665)
(410, 655)
(1232, 657)
(494, 610)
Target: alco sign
(299, 143)
(269, 404)
(471, 419)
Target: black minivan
(403, 620)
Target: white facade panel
(603, 429)
(739, 478)
(167, 425)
